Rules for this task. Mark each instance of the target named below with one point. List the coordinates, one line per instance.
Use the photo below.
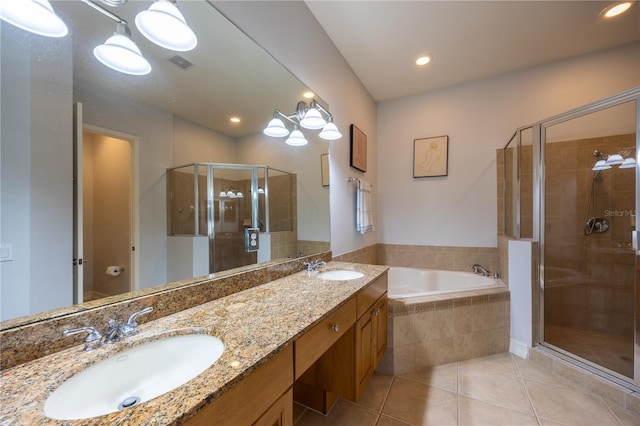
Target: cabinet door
(365, 329)
(381, 317)
(280, 413)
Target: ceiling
(231, 75)
(469, 40)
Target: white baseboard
(519, 349)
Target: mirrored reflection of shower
(604, 162)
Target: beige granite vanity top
(253, 324)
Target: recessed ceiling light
(234, 119)
(309, 95)
(616, 9)
(423, 60)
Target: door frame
(539, 143)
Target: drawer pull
(335, 327)
(376, 312)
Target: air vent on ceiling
(180, 61)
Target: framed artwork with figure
(431, 156)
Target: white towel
(364, 207)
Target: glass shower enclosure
(571, 183)
(216, 209)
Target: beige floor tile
(479, 413)
(545, 422)
(501, 363)
(533, 371)
(442, 376)
(388, 421)
(342, 413)
(419, 404)
(627, 418)
(376, 392)
(504, 390)
(568, 406)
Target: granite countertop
(254, 325)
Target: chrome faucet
(113, 334)
(479, 269)
(117, 331)
(314, 264)
(93, 339)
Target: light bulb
(164, 25)
(35, 16)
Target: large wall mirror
(180, 113)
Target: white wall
(291, 34)
(478, 117)
(36, 195)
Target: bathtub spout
(479, 269)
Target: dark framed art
(431, 156)
(358, 149)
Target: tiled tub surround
(280, 311)
(430, 257)
(433, 330)
(28, 338)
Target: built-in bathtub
(437, 317)
(412, 282)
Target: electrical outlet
(251, 239)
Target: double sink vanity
(239, 360)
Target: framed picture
(358, 149)
(324, 169)
(430, 156)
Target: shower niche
(214, 208)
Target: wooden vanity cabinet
(345, 369)
(370, 343)
(251, 401)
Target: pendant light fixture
(296, 138)
(35, 16)
(120, 53)
(309, 117)
(164, 25)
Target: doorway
(107, 224)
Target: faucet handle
(131, 326)
(93, 339)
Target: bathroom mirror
(179, 113)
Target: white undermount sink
(133, 376)
(340, 275)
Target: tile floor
(499, 389)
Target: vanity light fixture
(35, 16)
(296, 138)
(164, 24)
(120, 52)
(308, 117)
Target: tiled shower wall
(589, 280)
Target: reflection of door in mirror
(106, 215)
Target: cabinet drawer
(371, 293)
(310, 346)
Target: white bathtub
(413, 282)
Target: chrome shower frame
(538, 160)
